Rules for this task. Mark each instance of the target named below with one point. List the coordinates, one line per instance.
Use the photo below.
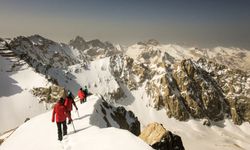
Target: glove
(53, 120)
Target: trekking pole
(78, 113)
(73, 126)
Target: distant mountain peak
(96, 43)
(78, 39)
(78, 43)
(152, 42)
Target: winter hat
(61, 100)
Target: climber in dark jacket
(86, 92)
(60, 113)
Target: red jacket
(68, 103)
(81, 94)
(60, 112)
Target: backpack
(85, 91)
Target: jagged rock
(117, 94)
(149, 42)
(121, 115)
(78, 43)
(27, 119)
(206, 122)
(121, 68)
(153, 42)
(198, 89)
(93, 49)
(40, 52)
(105, 113)
(1, 141)
(234, 86)
(161, 139)
(50, 94)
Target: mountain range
(202, 95)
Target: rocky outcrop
(188, 89)
(39, 51)
(78, 43)
(235, 86)
(202, 90)
(1, 141)
(111, 116)
(161, 139)
(50, 94)
(94, 49)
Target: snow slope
(96, 76)
(16, 101)
(40, 133)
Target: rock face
(202, 90)
(110, 116)
(51, 94)
(1, 141)
(234, 84)
(43, 50)
(41, 53)
(94, 49)
(161, 139)
(199, 89)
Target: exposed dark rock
(206, 122)
(1, 141)
(27, 119)
(50, 94)
(105, 112)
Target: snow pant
(82, 100)
(59, 129)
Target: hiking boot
(64, 133)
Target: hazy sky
(203, 23)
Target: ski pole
(73, 126)
(78, 113)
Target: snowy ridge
(88, 136)
(38, 50)
(16, 99)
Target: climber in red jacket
(81, 95)
(60, 112)
(68, 104)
